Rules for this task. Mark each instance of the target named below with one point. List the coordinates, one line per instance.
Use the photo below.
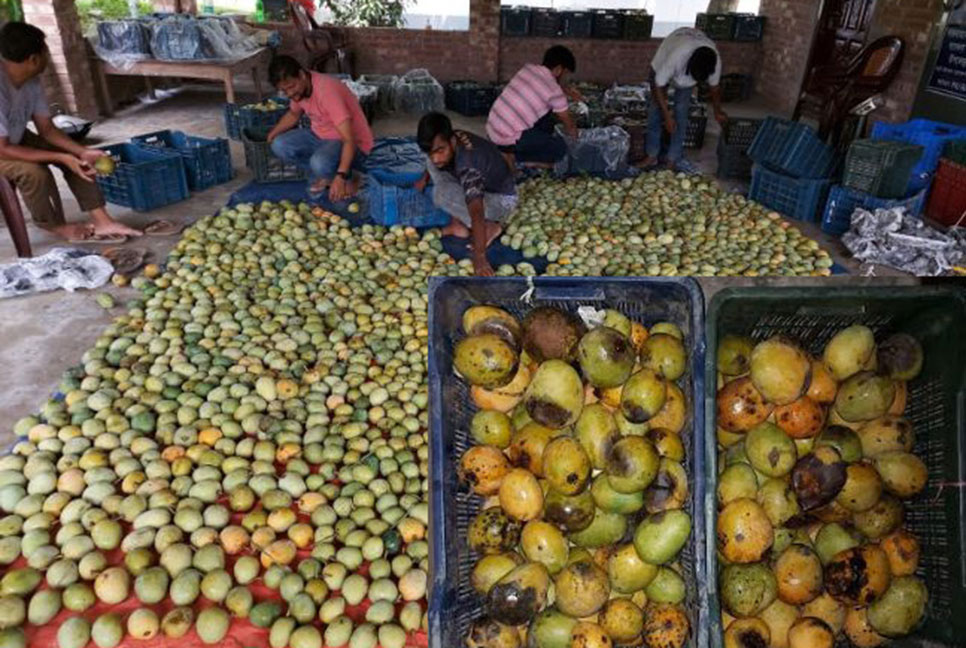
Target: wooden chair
(325, 45)
(13, 215)
(831, 91)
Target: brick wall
(914, 22)
(786, 46)
(69, 80)
(606, 61)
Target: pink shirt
(531, 94)
(332, 104)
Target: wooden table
(224, 71)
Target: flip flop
(163, 228)
(101, 239)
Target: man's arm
(288, 121)
(569, 123)
(660, 93)
(423, 182)
(719, 114)
(20, 153)
(478, 237)
(56, 137)
(338, 189)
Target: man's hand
(272, 134)
(80, 167)
(337, 190)
(721, 117)
(481, 266)
(422, 183)
(573, 93)
(670, 125)
(90, 156)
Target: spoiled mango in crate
(815, 464)
(587, 495)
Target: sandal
(101, 239)
(163, 228)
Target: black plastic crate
(736, 136)
(453, 603)
(748, 27)
(638, 25)
(608, 24)
(578, 24)
(880, 167)
(717, 26)
(264, 164)
(933, 315)
(515, 21)
(470, 98)
(546, 23)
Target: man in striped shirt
(521, 122)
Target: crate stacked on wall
(897, 168)
(613, 24)
(731, 26)
(792, 169)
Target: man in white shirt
(685, 58)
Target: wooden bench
(223, 71)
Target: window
(451, 15)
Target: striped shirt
(531, 94)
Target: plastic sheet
(179, 38)
(600, 151)
(67, 268)
(385, 84)
(892, 237)
(418, 92)
(363, 91)
(122, 43)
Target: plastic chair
(831, 91)
(13, 215)
(323, 44)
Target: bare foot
(72, 232)
(457, 229)
(319, 186)
(493, 231)
(352, 188)
(113, 228)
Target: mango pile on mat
(245, 447)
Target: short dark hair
(702, 63)
(431, 126)
(560, 55)
(19, 41)
(283, 67)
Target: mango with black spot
(669, 490)
(632, 464)
(665, 626)
(520, 595)
(746, 590)
(818, 478)
(485, 360)
(492, 531)
(733, 356)
(566, 466)
(744, 532)
(643, 396)
(665, 355)
(597, 432)
(865, 396)
(483, 469)
(661, 536)
(606, 357)
(590, 635)
(798, 571)
(741, 406)
(770, 450)
(780, 370)
(487, 633)
(809, 632)
(581, 589)
(555, 396)
(606, 529)
(570, 513)
(747, 633)
(622, 620)
(858, 576)
(551, 334)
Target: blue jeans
(319, 157)
(655, 125)
(540, 143)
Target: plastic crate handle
(570, 293)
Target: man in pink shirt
(338, 141)
(521, 122)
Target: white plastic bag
(67, 268)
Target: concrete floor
(44, 334)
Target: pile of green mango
(656, 224)
(258, 413)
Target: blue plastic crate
(239, 117)
(396, 161)
(792, 148)
(931, 135)
(798, 198)
(143, 179)
(842, 201)
(453, 604)
(392, 205)
(207, 162)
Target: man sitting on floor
(472, 182)
(686, 58)
(339, 140)
(25, 157)
(522, 122)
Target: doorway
(842, 31)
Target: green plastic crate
(935, 315)
(881, 168)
